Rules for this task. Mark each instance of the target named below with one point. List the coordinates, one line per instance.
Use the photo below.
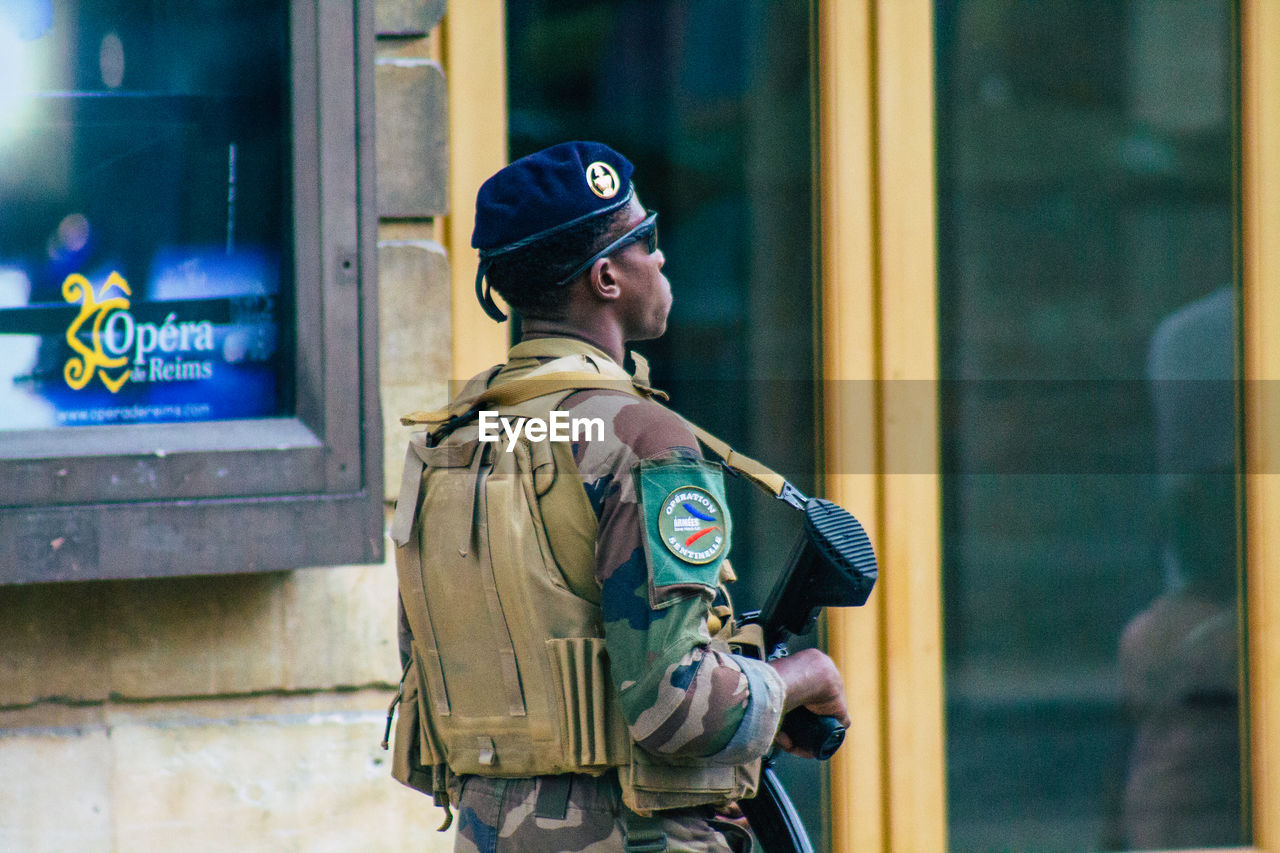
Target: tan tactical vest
(495, 552)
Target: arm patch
(686, 526)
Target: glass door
(1092, 500)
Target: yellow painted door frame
(850, 363)
(1260, 220)
(879, 335)
(875, 72)
(475, 65)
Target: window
(186, 324)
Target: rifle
(831, 565)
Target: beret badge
(603, 179)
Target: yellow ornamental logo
(93, 360)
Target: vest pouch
(416, 760)
(650, 783)
(593, 732)
(571, 540)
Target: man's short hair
(527, 277)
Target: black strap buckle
(451, 424)
(793, 496)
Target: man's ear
(602, 281)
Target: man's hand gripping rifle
(832, 565)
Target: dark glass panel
(1088, 335)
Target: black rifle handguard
(831, 565)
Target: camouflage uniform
(680, 697)
(501, 815)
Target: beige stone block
(412, 138)
(286, 773)
(300, 780)
(340, 627)
(411, 230)
(401, 400)
(413, 47)
(407, 17)
(51, 636)
(414, 299)
(304, 630)
(198, 636)
(56, 794)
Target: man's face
(646, 294)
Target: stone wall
(245, 712)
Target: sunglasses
(646, 230)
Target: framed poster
(187, 324)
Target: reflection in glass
(1092, 572)
(144, 189)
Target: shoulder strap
(515, 392)
(520, 390)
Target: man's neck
(611, 344)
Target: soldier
(572, 681)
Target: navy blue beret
(543, 193)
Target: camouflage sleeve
(680, 695)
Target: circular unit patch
(603, 180)
(692, 526)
